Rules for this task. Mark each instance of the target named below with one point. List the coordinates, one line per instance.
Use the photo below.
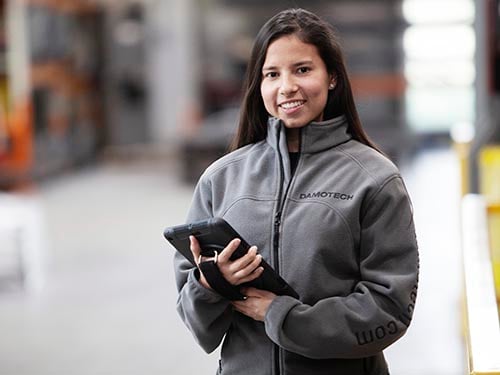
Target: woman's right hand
(236, 272)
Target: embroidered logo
(327, 194)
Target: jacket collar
(315, 137)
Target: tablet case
(213, 235)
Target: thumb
(194, 246)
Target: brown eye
(271, 75)
(303, 70)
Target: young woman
(320, 203)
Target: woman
(320, 203)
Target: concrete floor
(100, 298)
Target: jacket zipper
(276, 241)
(281, 203)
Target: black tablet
(213, 235)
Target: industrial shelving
(50, 96)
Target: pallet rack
(50, 98)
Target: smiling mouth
(292, 105)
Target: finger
(245, 260)
(229, 250)
(194, 245)
(239, 276)
(251, 267)
(239, 306)
(255, 274)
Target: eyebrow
(297, 64)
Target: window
(439, 47)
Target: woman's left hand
(256, 304)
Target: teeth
(290, 105)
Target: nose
(288, 85)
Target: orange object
(16, 164)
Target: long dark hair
(311, 29)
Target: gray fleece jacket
(340, 231)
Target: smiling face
(295, 82)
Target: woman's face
(295, 82)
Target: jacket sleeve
(206, 314)
(379, 309)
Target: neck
(293, 139)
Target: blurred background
(111, 109)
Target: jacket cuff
(276, 315)
(199, 291)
